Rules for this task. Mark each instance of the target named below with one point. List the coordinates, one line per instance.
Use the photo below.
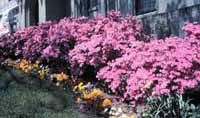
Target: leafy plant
(171, 106)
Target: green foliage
(171, 106)
(23, 100)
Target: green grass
(22, 101)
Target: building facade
(159, 17)
(5, 4)
(33, 12)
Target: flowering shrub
(7, 47)
(81, 41)
(154, 68)
(48, 42)
(31, 41)
(110, 45)
(107, 39)
(192, 30)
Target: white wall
(5, 4)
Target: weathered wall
(166, 20)
(170, 17)
(171, 5)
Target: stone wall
(168, 20)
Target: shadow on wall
(162, 29)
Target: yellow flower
(80, 85)
(88, 96)
(23, 63)
(85, 95)
(106, 102)
(26, 66)
(61, 77)
(35, 66)
(93, 94)
(41, 73)
(98, 92)
(83, 87)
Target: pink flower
(50, 52)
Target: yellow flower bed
(28, 67)
(85, 93)
(94, 94)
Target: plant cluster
(7, 47)
(89, 93)
(154, 68)
(114, 50)
(42, 72)
(106, 39)
(170, 106)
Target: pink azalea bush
(79, 42)
(7, 47)
(155, 68)
(104, 39)
(31, 41)
(192, 30)
(118, 51)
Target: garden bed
(108, 61)
(27, 99)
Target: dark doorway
(34, 12)
(56, 10)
